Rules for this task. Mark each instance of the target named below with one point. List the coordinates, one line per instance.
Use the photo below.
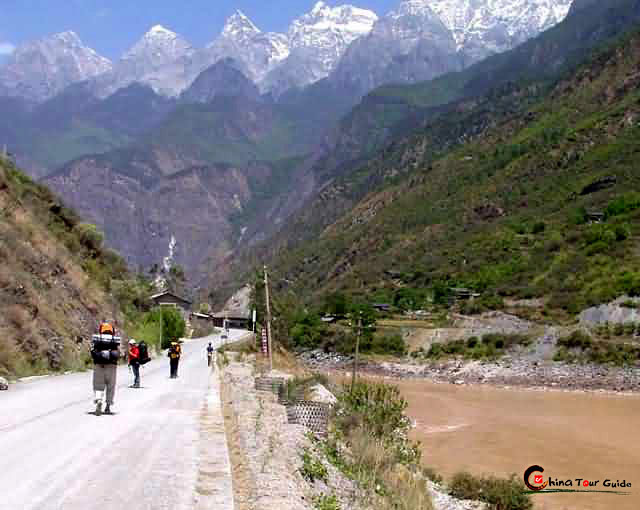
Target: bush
(491, 346)
(539, 227)
(307, 331)
(622, 205)
(380, 458)
(379, 408)
(465, 486)
(576, 340)
(500, 493)
(89, 236)
(326, 503)
(389, 344)
(312, 469)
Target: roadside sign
(265, 346)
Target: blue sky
(112, 26)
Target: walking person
(175, 351)
(209, 354)
(134, 362)
(105, 353)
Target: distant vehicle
(225, 336)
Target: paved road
(165, 447)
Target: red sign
(265, 343)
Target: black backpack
(144, 353)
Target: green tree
(173, 324)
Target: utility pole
(355, 359)
(269, 341)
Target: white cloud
(6, 48)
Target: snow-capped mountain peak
(239, 27)
(481, 27)
(348, 21)
(40, 69)
(160, 45)
(160, 31)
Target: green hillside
(57, 280)
(508, 212)
(393, 110)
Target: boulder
(319, 393)
(4, 384)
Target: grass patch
(369, 444)
(500, 493)
(492, 346)
(312, 469)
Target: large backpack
(105, 350)
(107, 329)
(144, 357)
(174, 351)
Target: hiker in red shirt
(134, 362)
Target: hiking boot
(107, 409)
(99, 408)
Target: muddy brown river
(488, 430)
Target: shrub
(312, 469)
(465, 486)
(379, 408)
(326, 503)
(500, 493)
(622, 205)
(539, 227)
(381, 458)
(89, 236)
(576, 340)
(389, 344)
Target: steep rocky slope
(53, 274)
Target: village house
(168, 298)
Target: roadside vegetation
(369, 443)
(498, 493)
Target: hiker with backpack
(209, 354)
(138, 356)
(105, 353)
(134, 362)
(175, 351)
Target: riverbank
(279, 465)
(508, 371)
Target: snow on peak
(68, 37)
(319, 39)
(327, 26)
(160, 31)
(40, 69)
(498, 24)
(239, 26)
(160, 45)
